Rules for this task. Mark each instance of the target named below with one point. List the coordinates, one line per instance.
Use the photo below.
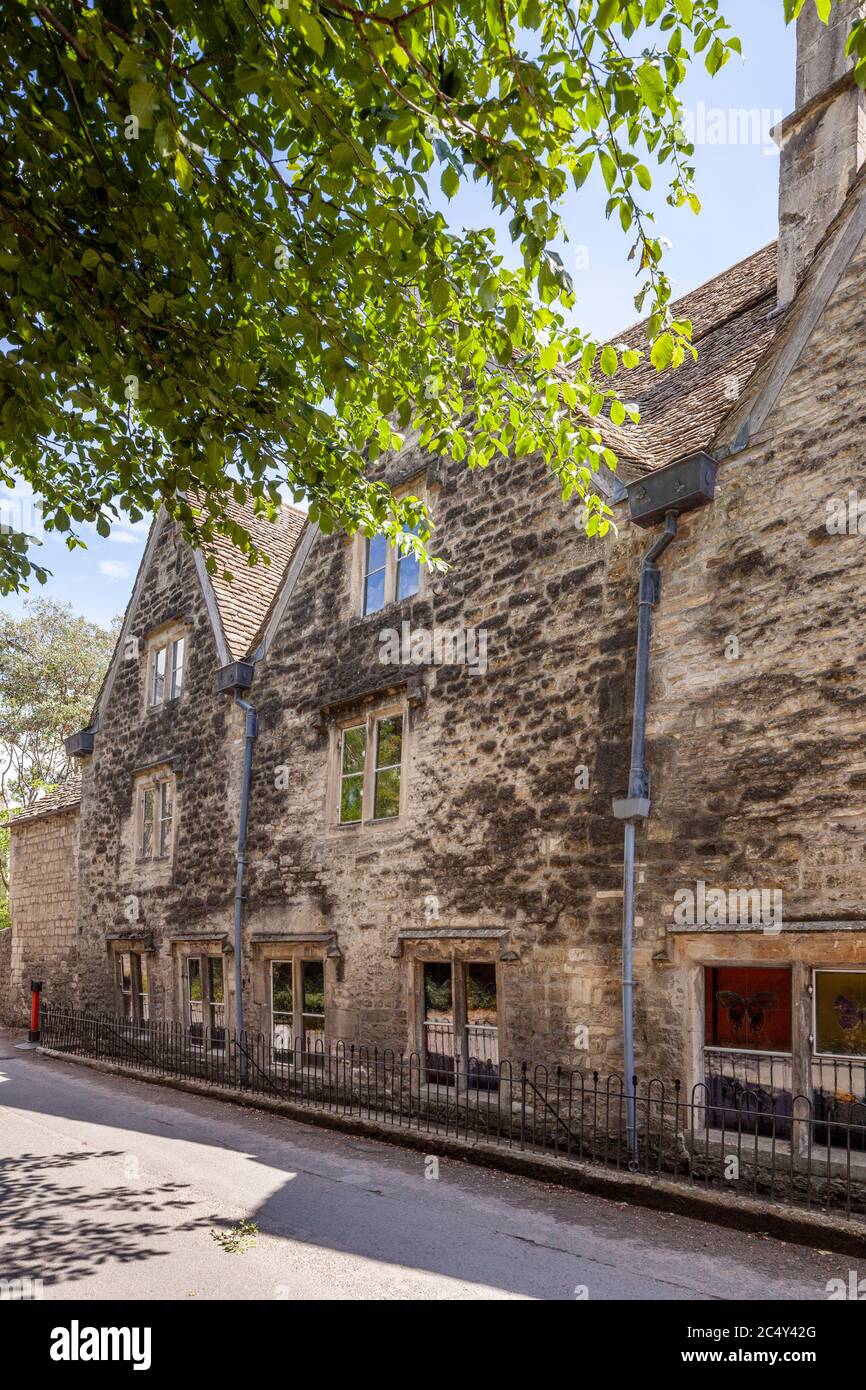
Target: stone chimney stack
(823, 143)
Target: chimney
(823, 143)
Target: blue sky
(737, 171)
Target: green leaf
(662, 352)
(183, 171)
(142, 103)
(450, 181)
(307, 26)
(652, 87)
(609, 361)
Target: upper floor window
(371, 759)
(155, 817)
(389, 575)
(165, 670)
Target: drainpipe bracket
(631, 808)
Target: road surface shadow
(68, 1231)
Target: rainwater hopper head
(679, 487)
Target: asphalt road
(115, 1188)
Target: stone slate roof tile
(244, 599)
(66, 798)
(682, 410)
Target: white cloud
(114, 569)
(126, 538)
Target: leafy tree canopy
(51, 667)
(222, 273)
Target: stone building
(433, 862)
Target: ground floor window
(747, 1047)
(460, 1023)
(131, 978)
(297, 989)
(205, 998)
(839, 1057)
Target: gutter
(679, 487)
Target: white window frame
(299, 1029)
(393, 559)
(166, 668)
(369, 722)
(159, 790)
(208, 1003)
(459, 965)
(138, 992)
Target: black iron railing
(759, 1139)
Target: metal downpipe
(251, 730)
(638, 807)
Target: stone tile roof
(66, 798)
(245, 598)
(682, 410)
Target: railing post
(35, 1003)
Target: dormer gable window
(383, 574)
(166, 656)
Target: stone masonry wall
(44, 934)
(759, 760)
(198, 737)
(495, 830)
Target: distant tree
(51, 665)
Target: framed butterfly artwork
(840, 1013)
(748, 1007)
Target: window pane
(377, 549)
(482, 1034)
(408, 575)
(354, 749)
(147, 824)
(194, 973)
(840, 1012)
(165, 814)
(124, 971)
(387, 799)
(157, 687)
(374, 592)
(437, 990)
(143, 1004)
(438, 1023)
(281, 987)
(313, 978)
(216, 979)
(481, 994)
(351, 797)
(177, 650)
(374, 574)
(748, 1007)
(389, 741)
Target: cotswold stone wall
(196, 737)
(44, 935)
(496, 836)
(758, 713)
(6, 1010)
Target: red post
(35, 1000)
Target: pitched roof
(66, 798)
(682, 410)
(244, 599)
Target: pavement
(116, 1188)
